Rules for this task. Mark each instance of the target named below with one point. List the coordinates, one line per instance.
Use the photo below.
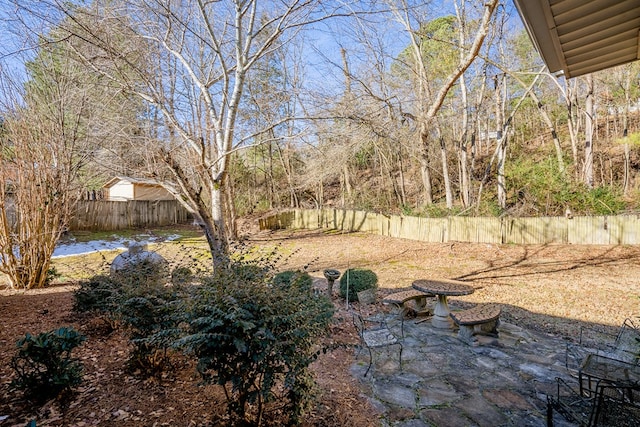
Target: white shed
(122, 188)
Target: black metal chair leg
(370, 361)
(549, 415)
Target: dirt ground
(553, 288)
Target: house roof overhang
(577, 37)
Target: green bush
(97, 294)
(359, 279)
(44, 367)
(150, 310)
(181, 275)
(152, 319)
(301, 279)
(137, 298)
(538, 186)
(256, 339)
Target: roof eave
(542, 30)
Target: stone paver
(448, 383)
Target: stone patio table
(442, 288)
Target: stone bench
(400, 299)
(483, 319)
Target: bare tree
(43, 149)
(617, 93)
(198, 57)
(430, 98)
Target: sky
(325, 38)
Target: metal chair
(373, 337)
(372, 326)
(618, 405)
(610, 405)
(571, 405)
(624, 345)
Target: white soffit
(578, 37)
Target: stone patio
(447, 383)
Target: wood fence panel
(395, 224)
(459, 230)
(624, 230)
(527, 231)
(488, 230)
(101, 215)
(350, 220)
(372, 223)
(588, 230)
(384, 224)
(366, 222)
(433, 230)
(327, 218)
(475, 229)
(409, 227)
(340, 216)
(358, 221)
(598, 230)
(307, 219)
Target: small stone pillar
(331, 275)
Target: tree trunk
(216, 231)
(573, 124)
(589, 124)
(285, 160)
(463, 161)
(552, 130)
(347, 185)
(502, 181)
(230, 208)
(445, 171)
(424, 165)
(501, 138)
(625, 134)
(463, 155)
(403, 194)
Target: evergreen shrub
(358, 279)
(256, 338)
(44, 367)
(151, 319)
(300, 279)
(139, 298)
(97, 294)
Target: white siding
(120, 191)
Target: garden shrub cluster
(139, 298)
(253, 331)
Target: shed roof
(578, 37)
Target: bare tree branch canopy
(241, 106)
(197, 55)
(44, 147)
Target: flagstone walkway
(447, 383)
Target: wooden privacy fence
(101, 215)
(586, 230)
